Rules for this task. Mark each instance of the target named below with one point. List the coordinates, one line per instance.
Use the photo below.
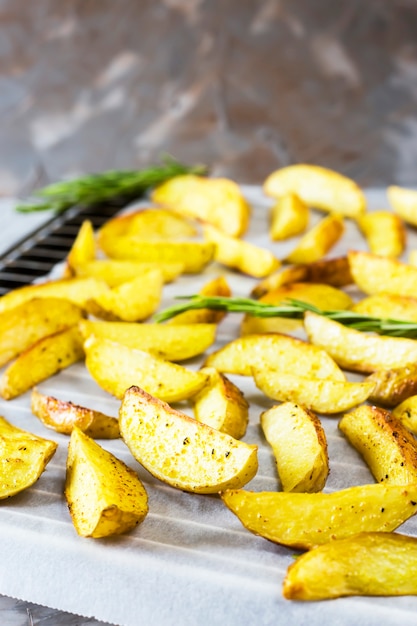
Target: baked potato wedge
(244, 354)
(289, 217)
(62, 416)
(42, 360)
(23, 458)
(317, 242)
(83, 250)
(241, 255)
(384, 232)
(316, 394)
(386, 305)
(173, 343)
(356, 350)
(180, 450)
(25, 324)
(306, 520)
(216, 287)
(366, 564)
(221, 404)
(406, 413)
(319, 187)
(299, 444)
(114, 272)
(404, 203)
(116, 367)
(105, 497)
(393, 386)
(387, 447)
(376, 274)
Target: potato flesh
(289, 217)
(384, 232)
(406, 413)
(242, 355)
(299, 444)
(358, 351)
(216, 287)
(388, 305)
(317, 242)
(374, 274)
(180, 450)
(105, 496)
(404, 203)
(23, 458)
(366, 564)
(385, 444)
(305, 520)
(114, 272)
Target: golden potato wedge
(376, 274)
(393, 386)
(83, 249)
(404, 203)
(406, 413)
(76, 290)
(23, 458)
(366, 564)
(132, 301)
(63, 416)
(116, 367)
(386, 305)
(387, 447)
(43, 359)
(289, 217)
(180, 450)
(316, 394)
(242, 355)
(317, 242)
(384, 232)
(173, 343)
(114, 272)
(193, 255)
(334, 272)
(147, 223)
(221, 404)
(412, 257)
(216, 287)
(356, 350)
(318, 187)
(299, 444)
(105, 497)
(241, 255)
(306, 520)
(30, 321)
(216, 201)
(323, 296)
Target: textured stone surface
(244, 86)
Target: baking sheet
(191, 561)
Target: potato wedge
(316, 394)
(147, 223)
(406, 413)
(116, 367)
(23, 458)
(105, 497)
(317, 242)
(173, 343)
(299, 444)
(180, 450)
(289, 217)
(241, 255)
(114, 272)
(386, 305)
(30, 321)
(193, 255)
(216, 287)
(366, 564)
(358, 351)
(132, 301)
(241, 355)
(323, 296)
(221, 404)
(43, 359)
(83, 249)
(384, 232)
(318, 187)
(216, 201)
(335, 272)
(63, 416)
(393, 386)
(306, 520)
(404, 203)
(385, 444)
(376, 274)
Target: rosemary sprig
(94, 188)
(293, 309)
